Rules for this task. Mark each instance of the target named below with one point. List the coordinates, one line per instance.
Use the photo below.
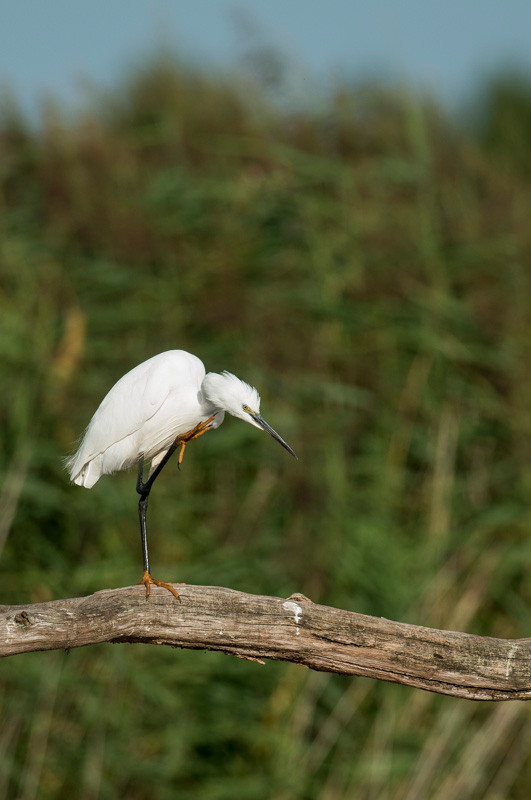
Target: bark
(255, 627)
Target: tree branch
(255, 627)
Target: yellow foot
(199, 430)
(147, 580)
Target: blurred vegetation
(368, 268)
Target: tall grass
(368, 269)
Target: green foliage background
(368, 268)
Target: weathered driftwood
(255, 627)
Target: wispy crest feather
(225, 391)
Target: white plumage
(152, 405)
(162, 403)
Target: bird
(154, 409)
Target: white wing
(146, 407)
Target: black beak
(266, 427)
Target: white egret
(158, 406)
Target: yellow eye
(246, 409)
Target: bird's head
(228, 393)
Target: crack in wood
(256, 627)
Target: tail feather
(84, 474)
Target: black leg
(143, 489)
(142, 513)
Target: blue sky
(54, 46)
